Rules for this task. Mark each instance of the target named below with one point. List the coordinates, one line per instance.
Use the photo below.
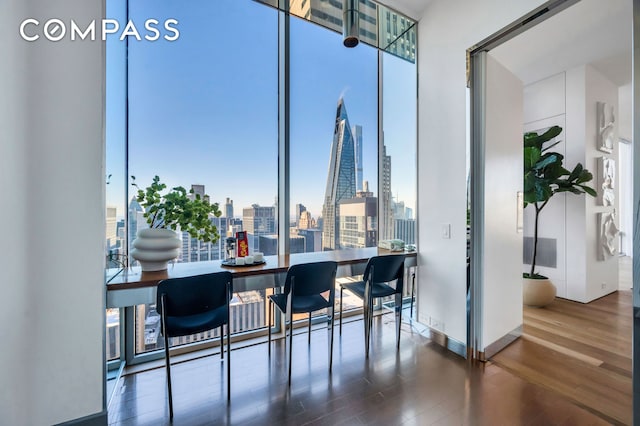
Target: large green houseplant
(165, 213)
(178, 209)
(545, 176)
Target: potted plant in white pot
(166, 213)
(545, 176)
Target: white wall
(502, 289)
(446, 29)
(576, 219)
(52, 165)
(625, 122)
(602, 276)
(625, 169)
(13, 263)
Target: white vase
(538, 293)
(154, 247)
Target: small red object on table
(242, 244)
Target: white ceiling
(593, 32)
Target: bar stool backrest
(386, 269)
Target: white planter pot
(538, 293)
(154, 247)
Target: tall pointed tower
(357, 143)
(341, 178)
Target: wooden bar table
(130, 287)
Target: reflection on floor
(422, 384)
(582, 351)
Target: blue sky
(203, 109)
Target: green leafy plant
(178, 208)
(545, 176)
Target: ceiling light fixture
(351, 22)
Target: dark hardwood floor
(422, 384)
(582, 351)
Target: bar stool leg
(229, 296)
(269, 326)
(290, 318)
(221, 342)
(228, 362)
(330, 325)
(413, 290)
(398, 309)
(367, 322)
(341, 310)
(309, 339)
(166, 355)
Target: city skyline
(189, 136)
(189, 121)
(350, 214)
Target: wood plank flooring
(422, 384)
(582, 351)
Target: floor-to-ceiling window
(203, 115)
(399, 125)
(334, 141)
(204, 111)
(115, 166)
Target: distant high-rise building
(357, 221)
(194, 250)
(357, 148)
(234, 225)
(386, 200)
(258, 220)
(198, 190)
(405, 230)
(296, 244)
(341, 179)
(120, 227)
(112, 340)
(365, 191)
(399, 210)
(305, 221)
(228, 208)
(111, 230)
(268, 244)
(379, 26)
(136, 219)
(394, 33)
(408, 213)
(115, 234)
(299, 209)
(312, 239)
(329, 14)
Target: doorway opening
(575, 72)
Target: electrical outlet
(604, 285)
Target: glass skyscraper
(341, 179)
(357, 140)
